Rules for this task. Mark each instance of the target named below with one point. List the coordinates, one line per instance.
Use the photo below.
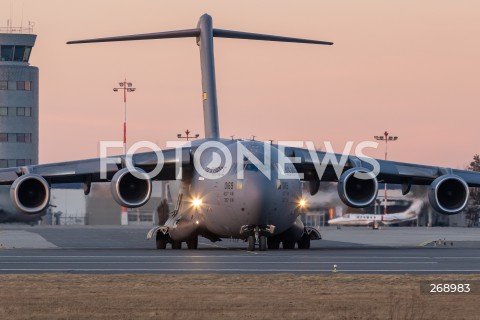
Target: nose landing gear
(257, 235)
(253, 240)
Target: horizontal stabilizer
(145, 36)
(220, 33)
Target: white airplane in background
(375, 220)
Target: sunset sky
(409, 67)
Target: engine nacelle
(30, 193)
(357, 187)
(131, 190)
(448, 194)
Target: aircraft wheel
(304, 242)
(161, 241)
(192, 244)
(263, 243)
(251, 243)
(273, 244)
(177, 245)
(288, 245)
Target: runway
(110, 250)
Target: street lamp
(385, 138)
(188, 137)
(125, 87)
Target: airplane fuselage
(369, 219)
(224, 199)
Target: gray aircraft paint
(228, 203)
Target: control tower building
(18, 99)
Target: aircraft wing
(89, 170)
(390, 171)
(448, 190)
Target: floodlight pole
(125, 87)
(188, 137)
(385, 138)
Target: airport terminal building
(18, 99)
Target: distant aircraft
(376, 220)
(255, 193)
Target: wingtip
(75, 41)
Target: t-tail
(204, 34)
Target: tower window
(24, 85)
(23, 162)
(20, 85)
(26, 55)
(24, 112)
(3, 111)
(3, 163)
(3, 137)
(3, 85)
(6, 53)
(18, 53)
(24, 137)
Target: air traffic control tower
(18, 99)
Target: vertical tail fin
(204, 34)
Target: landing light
(302, 203)
(197, 202)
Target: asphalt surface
(125, 250)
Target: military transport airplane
(243, 198)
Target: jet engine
(30, 193)
(131, 189)
(357, 187)
(448, 194)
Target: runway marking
(258, 255)
(220, 262)
(213, 245)
(132, 256)
(176, 270)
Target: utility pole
(386, 137)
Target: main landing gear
(259, 237)
(162, 239)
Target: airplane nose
(258, 198)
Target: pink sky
(411, 67)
